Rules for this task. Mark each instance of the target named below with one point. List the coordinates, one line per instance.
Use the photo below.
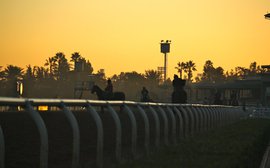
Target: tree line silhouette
(57, 78)
(217, 74)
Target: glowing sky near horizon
(123, 35)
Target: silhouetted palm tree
(190, 67)
(208, 70)
(41, 73)
(51, 62)
(12, 72)
(181, 66)
(62, 66)
(30, 72)
(76, 57)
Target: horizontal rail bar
(7, 101)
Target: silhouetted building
(250, 91)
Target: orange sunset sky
(124, 35)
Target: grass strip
(240, 145)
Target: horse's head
(98, 91)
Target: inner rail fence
(262, 112)
(120, 130)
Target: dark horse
(103, 96)
(179, 96)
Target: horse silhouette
(103, 96)
(179, 96)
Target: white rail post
(217, 110)
(201, 115)
(165, 119)
(2, 149)
(44, 145)
(181, 122)
(219, 113)
(118, 133)
(230, 116)
(192, 121)
(173, 124)
(187, 121)
(223, 116)
(197, 118)
(226, 116)
(211, 118)
(203, 118)
(75, 133)
(133, 130)
(146, 129)
(214, 116)
(100, 134)
(157, 126)
(206, 120)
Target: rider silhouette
(176, 83)
(109, 89)
(144, 94)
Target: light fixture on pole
(165, 48)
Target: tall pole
(165, 66)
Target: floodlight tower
(165, 48)
(267, 16)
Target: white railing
(188, 119)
